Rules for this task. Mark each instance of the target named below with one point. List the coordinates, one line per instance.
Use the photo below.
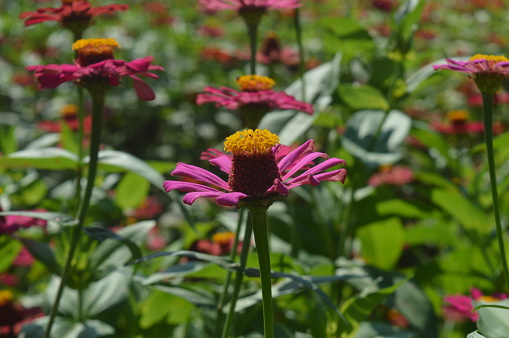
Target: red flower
(397, 175)
(95, 67)
(73, 15)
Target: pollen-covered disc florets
(254, 166)
(251, 142)
(492, 58)
(255, 83)
(457, 116)
(90, 51)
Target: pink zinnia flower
(254, 172)
(460, 307)
(486, 70)
(397, 175)
(242, 6)
(458, 124)
(95, 67)
(272, 52)
(75, 15)
(10, 224)
(254, 100)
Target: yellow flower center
(494, 58)
(457, 116)
(5, 297)
(69, 110)
(251, 142)
(90, 51)
(385, 167)
(255, 83)
(223, 238)
(488, 299)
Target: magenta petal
(199, 174)
(302, 163)
(222, 162)
(289, 159)
(230, 199)
(280, 187)
(186, 186)
(142, 89)
(189, 198)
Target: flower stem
(252, 30)
(298, 35)
(79, 168)
(97, 116)
(238, 277)
(259, 218)
(488, 100)
(226, 285)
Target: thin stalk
(298, 35)
(79, 168)
(226, 285)
(97, 114)
(239, 276)
(252, 31)
(488, 100)
(259, 217)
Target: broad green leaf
(362, 97)
(345, 35)
(360, 131)
(68, 138)
(357, 308)
(47, 216)
(131, 191)
(319, 84)
(400, 208)
(381, 330)
(475, 334)
(492, 320)
(461, 209)
(111, 254)
(9, 250)
(43, 253)
(8, 142)
(197, 297)
(42, 158)
(382, 242)
(156, 309)
(436, 234)
(223, 262)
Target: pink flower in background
(10, 224)
(254, 100)
(24, 258)
(248, 5)
(460, 307)
(95, 66)
(155, 240)
(254, 173)
(392, 175)
(8, 279)
(74, 15)
(458, 123)
(271, 52)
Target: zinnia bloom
(75, 15)
(254, 100)
(488, 71)
(460, 307)
(392, 175)
(458, 123)
(272, 53)
(250, 10)
(69, 115)
(96, 69)
(254, 171)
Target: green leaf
(9, 250)
(436, 234)
(362, 97)
(464, 211)
(68, 138)
(47, 216)
(400, 208)
(381, 330)
(111, 254)
(416, 79)
(492, 320)
(41, 158)
(475, 334)
(405, 22)
(382, 242)
(360, 130)
(320, 83)
(8, 142)
(131, 191)
(357, 308)
(43, 253)
(192, 296)
(227, 264)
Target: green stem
(259, 217)
(488, 100)
(79, 168)
(298, 35)
(226, 285)
(252, 30)
(97, 116)
(239, 276)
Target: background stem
(252, 31)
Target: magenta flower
(10, 224)
(255, 172)
(248, 5)
(486, 70)
(460, 307)
(254, 100)
(75, 15)
(95, 67)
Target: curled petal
(223, 162)
(199, 174)
(142, 89)
(230, 199)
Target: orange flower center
(5, 297)
(255, 83)
(457, 116)
(223, 238)
(90, 51)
